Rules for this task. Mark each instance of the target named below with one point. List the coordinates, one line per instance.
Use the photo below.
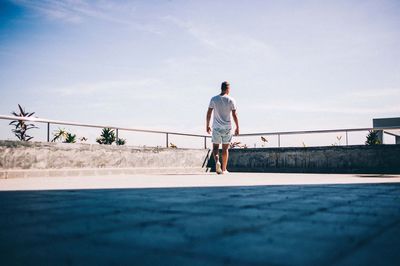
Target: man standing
(222, 105)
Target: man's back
(222, 105)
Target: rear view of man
(222, 105)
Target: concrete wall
(335, 159)
(38, 158)
(29, 159)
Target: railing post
(205, 142)
(48, 132)
(116, 133)
(279, 140)
(347, 138)
(167, 145)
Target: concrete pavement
(188, 180)
(340, 224)
(201, 219)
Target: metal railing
(345, 130)
(279, 134)
(117, 129)
(168, 133)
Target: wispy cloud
(197, 33)
(77, 11)
(58, 10)
(224, 42)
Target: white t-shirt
(222, 105)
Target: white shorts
(221, 135)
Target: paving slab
(312, 224)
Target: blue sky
(292, 65)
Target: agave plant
(121, 142)
(21, 127)
(70, 138)
(372, 138)
(59, 134)
(107, 136)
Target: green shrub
(121, 142)
(70, 138)
(372, 138)
(107, 136)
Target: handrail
(317, 131)
(58, 122)
(346, 130)
(277, 133)
(391, 134)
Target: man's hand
(209, 112)
(236, 131)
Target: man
(222, 105)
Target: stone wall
(38, 158)
(334, 159)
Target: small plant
(235, 145)
(21, 127)
(83, 139)
(238, 145)
(59, 135)
(107, 136)
(120, 142)
(172, 145)
(304, 145)
(372, 138)
(264, 140)
(70, 138)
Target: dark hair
(224, 85)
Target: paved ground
(341, 224)
(188, 180)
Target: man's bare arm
(208, 128)
(235, 118)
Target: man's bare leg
(216, 152)
(216, 158)
(225, 156)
